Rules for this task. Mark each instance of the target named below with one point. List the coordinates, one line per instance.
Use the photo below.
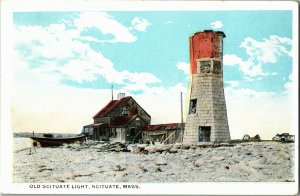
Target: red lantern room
(206, 44)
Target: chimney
(121, 95)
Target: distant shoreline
(29, 134)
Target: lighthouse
(207, 115)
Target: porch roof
(95, 125)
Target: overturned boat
(48, 140)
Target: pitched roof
(170, 126)
(109, 107)
(112, 105)
(122, 121)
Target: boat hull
(48, 142)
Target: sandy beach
(244, 162)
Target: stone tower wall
(207, 89)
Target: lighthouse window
(205, 67)
(193, 105)
(217, 67)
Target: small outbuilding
(246, 137)
(163, 133)
(284, 137)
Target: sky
(66, 62)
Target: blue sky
(144, 53)
(165, 43)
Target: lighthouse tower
(207, 115)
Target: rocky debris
(173, 150)
(82, 174)
(136, 149)
(268, 162)
(158, 169)
(141, 148)
(150, 149)
(184, 146)
(135, 170)
(45, 169)
(76, 146)
(114, 147)
(160, 149)
(118, 168)
(257, 164)
(199, 163)
(160, 161)
(217, 158)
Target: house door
(204, 134)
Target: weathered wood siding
(162, 135)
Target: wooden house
(163, 133)
(121, 120)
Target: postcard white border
(216, 188)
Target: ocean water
(21, 143)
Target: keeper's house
(121, 120)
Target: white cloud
(141, 78)
(231, 59)
(247, 67)
(257, 112)
(163, 104)
(42, 42)
(268, 50)
(139, 24)
(37, 110)
(47, 107)
(232, 83)
(217, 24)
(56, 53)
(289, 85)
(46, 56)
(183, 66)
(260, 53)
(106, 24)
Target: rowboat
(48, 140)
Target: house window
(193, 105)
(86, 130)
(113, 132)
(125, 111)
(204, 66)
(91, 131)
(132, 132)
(138, 121)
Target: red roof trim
(96, 124)
(109, 108)
(112, 105)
